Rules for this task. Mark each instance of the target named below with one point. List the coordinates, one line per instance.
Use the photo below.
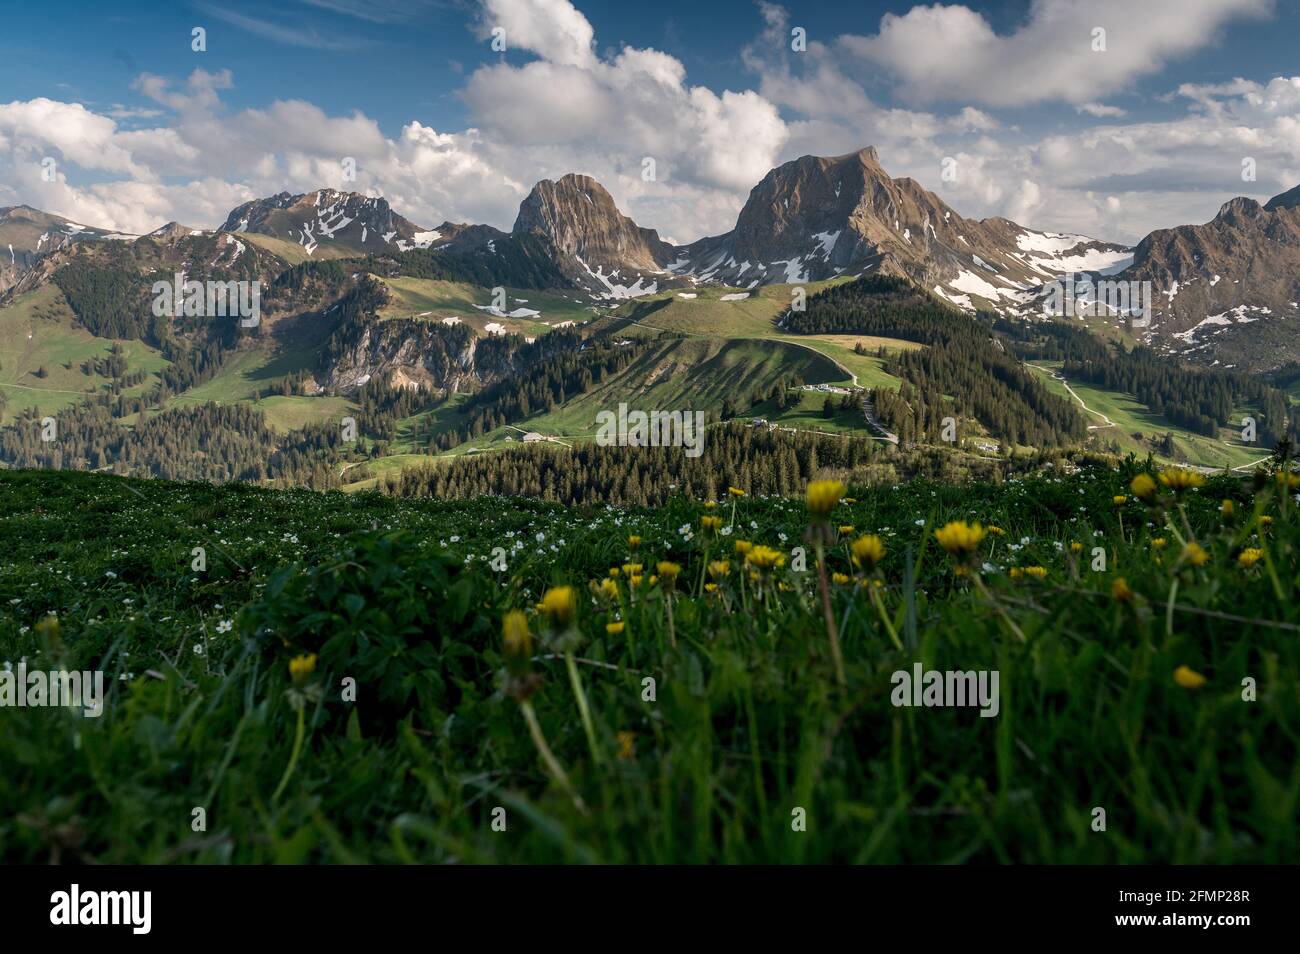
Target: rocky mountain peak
(348, 220)
(1287, 200)
(597, 245)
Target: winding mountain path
(1074, 394)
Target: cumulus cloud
(553, 29)
(952, 53)
(615, 112)
(554, 105)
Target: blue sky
(411, 66)
(421, 77)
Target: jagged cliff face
(817, 217)
(346, 221)
(595, 244)
(417, 354)
(1228, 291)
(403, 352)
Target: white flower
(110, 574)
(726, 531)
(198, 649)
(224, 626)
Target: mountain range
(810, 219)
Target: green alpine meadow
(743, 465)
(294, 676)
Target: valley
(357, 296)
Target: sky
(1105, 117)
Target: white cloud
(952, 53)
(1100, 110)
(553, 29)
(567, 109)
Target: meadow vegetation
(680, 684)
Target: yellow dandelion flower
(515, 633)
(822, 496)
(1227, 509)
(765, 558)
(626, 745)
(614, 572)
(711, 525)
(996, 531)
(867, 551)
(1016, 573)
(1120, 590)
(1159, 543)
(633, 542)
(636, 581)
(632, 568)
(1266, 521)
(300, 667)
(846, 528)
(735, 492)
(609, 588)
(615, 628)
(710, 587)
(1143, 486)
(668, 572)
(719, 568)
(1076, 547)
(1188, 678)
(743, 547)
(560, 605)
(959, 537)
(1119, 500)
(1037, 572)
(1250, 556)
(1179, 479)
(840, 579)
(1288, 480)
(1195, 554)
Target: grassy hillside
(1160, 688)
(733, 348)
(1117, 417)
(722, 312)
(39, 331)
(292, 252)
(696, 374)
(435, 300)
